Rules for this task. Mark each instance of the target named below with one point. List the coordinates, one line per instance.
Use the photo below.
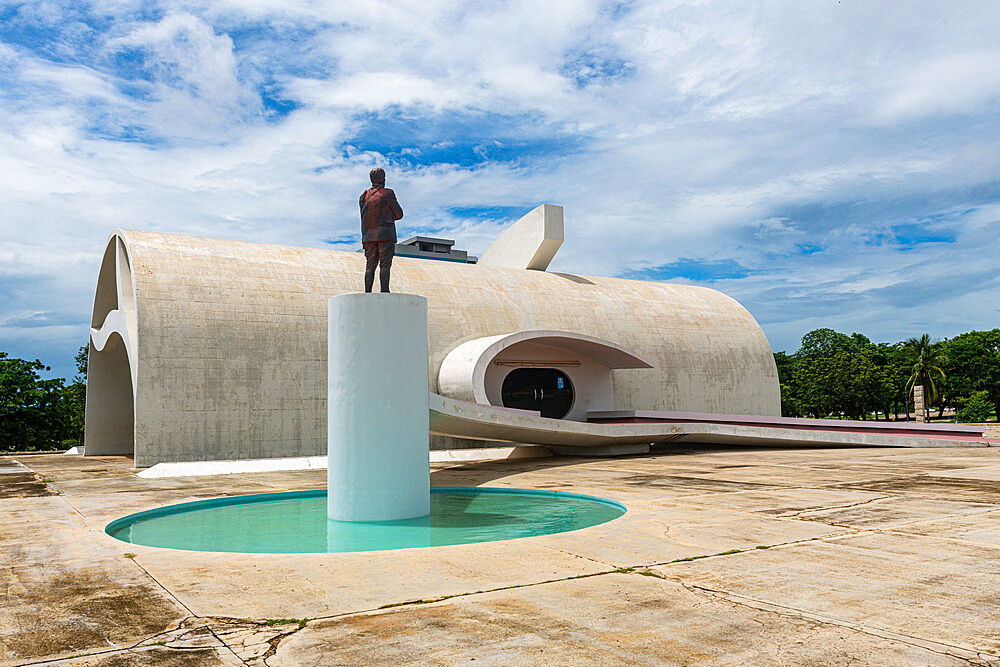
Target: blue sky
(828, 164)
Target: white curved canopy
(463, 371)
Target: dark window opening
(547, 390)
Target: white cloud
(704, 130)
(956, 83)
(194, 85)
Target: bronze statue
(379, 213)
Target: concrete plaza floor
(726, 556)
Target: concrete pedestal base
(377, 429)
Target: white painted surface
(236, 467)
(470, 373)
(377, 423)
(109, 423)
(462, 419)
(196, 468)
(529, 243)
(490, 453)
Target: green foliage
(301, 622)
(976, 410)
(925, 360)
(824, 343)
(81, 359)
(788, 369)
(835, 374)
(974, 365)
(76, 397)
(37, 414)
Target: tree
(976, 410)
(892, 378)
(81, 358)
(925, 360)
(833, 373)
(76, 396)
(788, 368)
(824, 343)
(34, 413)
(974, 365)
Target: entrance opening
(109, 426)
(547, 390)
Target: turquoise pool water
(296, 522)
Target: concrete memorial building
(207, 349)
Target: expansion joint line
(139, 565)
(972, 656)
(166, 591)
(191, 616)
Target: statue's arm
(397, 210)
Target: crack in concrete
(971, 655)
(243, 639)
(196, 633)
(582, 557)
(219, 627)
(831, 508)
(165, 590)
(939, 538)
(887, 529)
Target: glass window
(547, 390)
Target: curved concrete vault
(111, 364)
(475, 370)
(212, 349)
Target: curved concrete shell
(475, 370)
(212, 349)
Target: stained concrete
(617, 619)
(221, 346)
(726, 556)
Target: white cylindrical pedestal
(377, 422)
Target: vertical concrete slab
(529, 243)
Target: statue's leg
(387, 252)
(371, 260)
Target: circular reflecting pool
(296, 522)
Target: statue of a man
(379, 213)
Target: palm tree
(925, 361)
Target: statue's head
(377, 175)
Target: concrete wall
(230, 345)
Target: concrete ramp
(465, 419)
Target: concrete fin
(529, 243)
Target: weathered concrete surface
(528, 243)
(223, 344)
(730, 556)
(460, 418)
(617, 619)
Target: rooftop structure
(429, 247)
